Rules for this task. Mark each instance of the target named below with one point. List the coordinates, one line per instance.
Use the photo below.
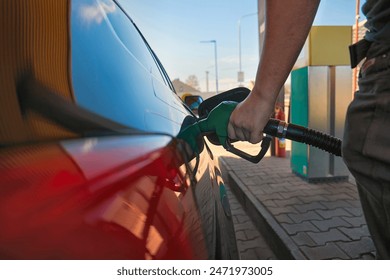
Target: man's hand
(249, 118)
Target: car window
(126, 5)
(109, 77)
(115, 73)
(133, 41)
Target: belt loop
(358, 52)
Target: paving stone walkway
(297, 219)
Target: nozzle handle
(265, 143)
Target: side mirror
(193, 102)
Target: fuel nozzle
(217, 121)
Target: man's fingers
(231, 131)
(237, 133)
(247, 134)
(240, 134)
(256, 137)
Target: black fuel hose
(281, 129)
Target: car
(90, 163)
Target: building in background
(182, 88)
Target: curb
(282, 245)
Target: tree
(192, 81)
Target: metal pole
(216, 62)
(239, 40)
(216, 66)
(207, 81)
(239, 44)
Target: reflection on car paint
(99, 194)
(96, 11)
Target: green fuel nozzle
(217, 121)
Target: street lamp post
(216, 66)
(207, 81)
(240, 76)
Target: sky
(175, 29)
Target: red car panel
(113, 197)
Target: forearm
(287, 26)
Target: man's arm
(286, 28)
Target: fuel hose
(281, 129)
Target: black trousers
(366, 146)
